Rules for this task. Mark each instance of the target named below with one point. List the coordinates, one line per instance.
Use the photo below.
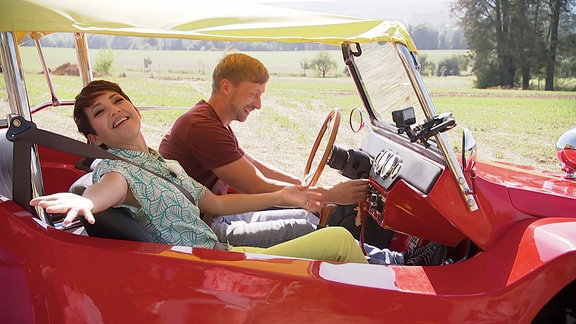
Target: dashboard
(401, 182)
(393, 162)
(385, 163)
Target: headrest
(81, 184)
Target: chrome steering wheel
(331, 122)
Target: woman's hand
(110, 191)
(66, 203)
(301, 196)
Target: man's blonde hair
(237, 68)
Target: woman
(107, 117)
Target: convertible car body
(510, 232)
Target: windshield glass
(386, 81)
(391, 82)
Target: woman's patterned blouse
(164, 211)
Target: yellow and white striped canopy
(219, 20)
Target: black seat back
(114, 223)
(6, 163)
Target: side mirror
(468, 149)
(566, 153)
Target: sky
(409, 12)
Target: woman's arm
(109, 191)
(292, 196)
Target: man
(205, 145)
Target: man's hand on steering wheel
(345, 192)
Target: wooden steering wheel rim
(335, 115)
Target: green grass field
(191, 63)
(510, 125)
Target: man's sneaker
(430, 254)
(412, 245)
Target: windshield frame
(415, 89)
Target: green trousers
(327, 244)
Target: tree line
(425, 36)
(512, 41)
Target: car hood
(532, 191)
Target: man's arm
(272, 172)
(243, 176)
(246, 175)
(344, 193)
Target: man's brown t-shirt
(200, 143)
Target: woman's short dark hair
(86, 99)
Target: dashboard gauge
(391, 162)
(381, 160)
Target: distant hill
(408, 12)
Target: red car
(510, 232)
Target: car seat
(114, 223)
